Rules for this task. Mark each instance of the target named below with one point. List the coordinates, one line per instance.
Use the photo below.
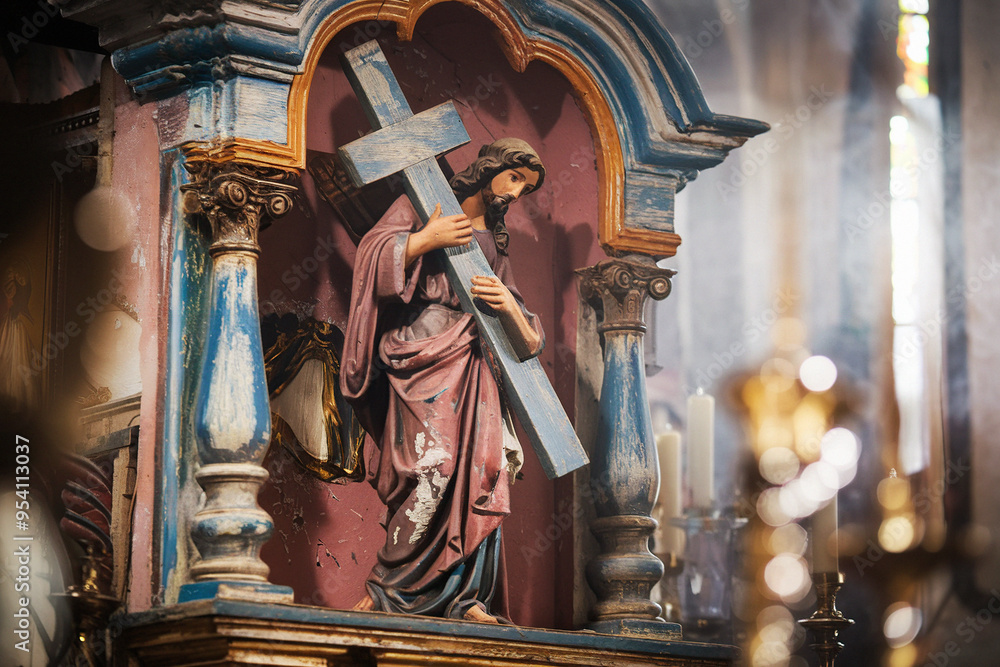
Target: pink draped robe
(413, 370)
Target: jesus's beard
(496, 207)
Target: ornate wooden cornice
(651, 125)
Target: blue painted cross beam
(410, 144)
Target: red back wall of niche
(327, 535)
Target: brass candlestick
(91, 609)
(827, 621)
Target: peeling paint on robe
(413, 369)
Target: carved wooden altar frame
(234, 80)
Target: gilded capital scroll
(237, 199)
(618, 289)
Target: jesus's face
(506, 188)
(515, 182)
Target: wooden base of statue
(227, 632)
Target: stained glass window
(912, 47)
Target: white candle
(669, 540)
(701, 448)
(825, 551)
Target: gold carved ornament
(283, 360)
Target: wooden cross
(410, 144)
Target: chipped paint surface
(179, 496)
(138, 256)
(230, 420)
(234, 524)
(626, 448)
(235, 408)
(430, 486)
(242, 106)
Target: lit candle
(669, 539)
(701, 448)
(825, 552)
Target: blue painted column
(232, 413)
(624, 473)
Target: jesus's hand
(441, 231)
(491, 291)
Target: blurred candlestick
(825, 551)
(669, 538)
(701, 448)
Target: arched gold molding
(519, 50)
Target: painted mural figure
(440, 444)
(18, 384)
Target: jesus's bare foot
(364, 604)
(476, 613)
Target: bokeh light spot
(901, 625)
(779, 465)
(818, 373)
(787, 576)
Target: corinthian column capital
(238, 199)
(618, 289)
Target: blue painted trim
(206, 54)
(188, 288)
(626, 449)
(174, 383)
(638, 627)
(399, 622)
(233, 411)
(619, 32)
(208, 590)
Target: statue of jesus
(440, 448)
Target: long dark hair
(494, 158)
